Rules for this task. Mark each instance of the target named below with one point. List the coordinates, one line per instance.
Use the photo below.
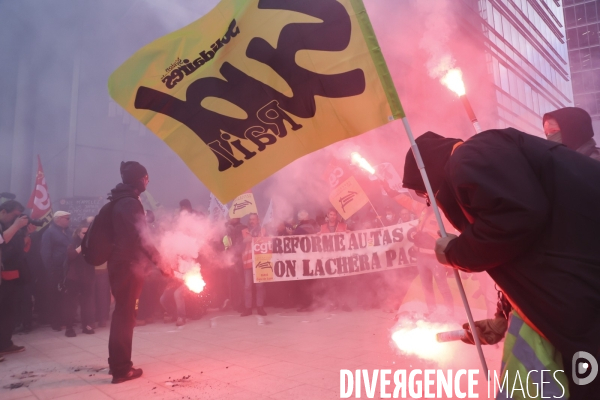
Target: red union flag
(39, 202)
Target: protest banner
(287, 258)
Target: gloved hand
(490, 331)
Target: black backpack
(97, 243)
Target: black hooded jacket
(129, 228)
(531, 220)
(576, 130)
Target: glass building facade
(526, 52)
(582, 20)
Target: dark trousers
(101, 295)
(81, 292)
(236, 286)
(149, 302)
(8, 300)
(126, 287)
(25, 305)
(55, 300)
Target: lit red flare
(193, 280)
(357, 159)
(419, 338)
(453, 80)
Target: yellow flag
(243, 205)
(255, 84)
(348, 197)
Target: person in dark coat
(572, 126)
(79, 285)
(55, 242)
(235, 237)
(527, 210)
(131, 252)
(12, 258)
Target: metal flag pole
(438, 217)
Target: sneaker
(168, 319)
(246, 312)
(180, 321)
(12, 349)
(133, 373)
(88, 330)
(70, 332)
(261, 311)
(1, 359)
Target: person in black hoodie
(131, 252)
(572, 126)
(79, 286)
(527, 210)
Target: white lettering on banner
(328, 255)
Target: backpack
(97, 243)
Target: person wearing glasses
(55, 242)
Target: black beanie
(132, 171)
(435, 151)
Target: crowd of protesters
(47, 281)
(57, 287)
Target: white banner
(329, 255)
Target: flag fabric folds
(216, 210)
(243, 205)
(39, 202)
(253, 85)
(348, 197)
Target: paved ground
(286, 355)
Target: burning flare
(189, 272)
(453, 81)
(357, 159)
(193, 280)
(419, 338)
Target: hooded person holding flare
(527, 210)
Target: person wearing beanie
(130, 254)
(55, 241)
(572, 126)
(527, 212)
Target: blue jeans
(173, 300)
(260, 290)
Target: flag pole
(438, 217)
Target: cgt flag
(39, 202)
(348, 197)
(255, 84)
(243, 205)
